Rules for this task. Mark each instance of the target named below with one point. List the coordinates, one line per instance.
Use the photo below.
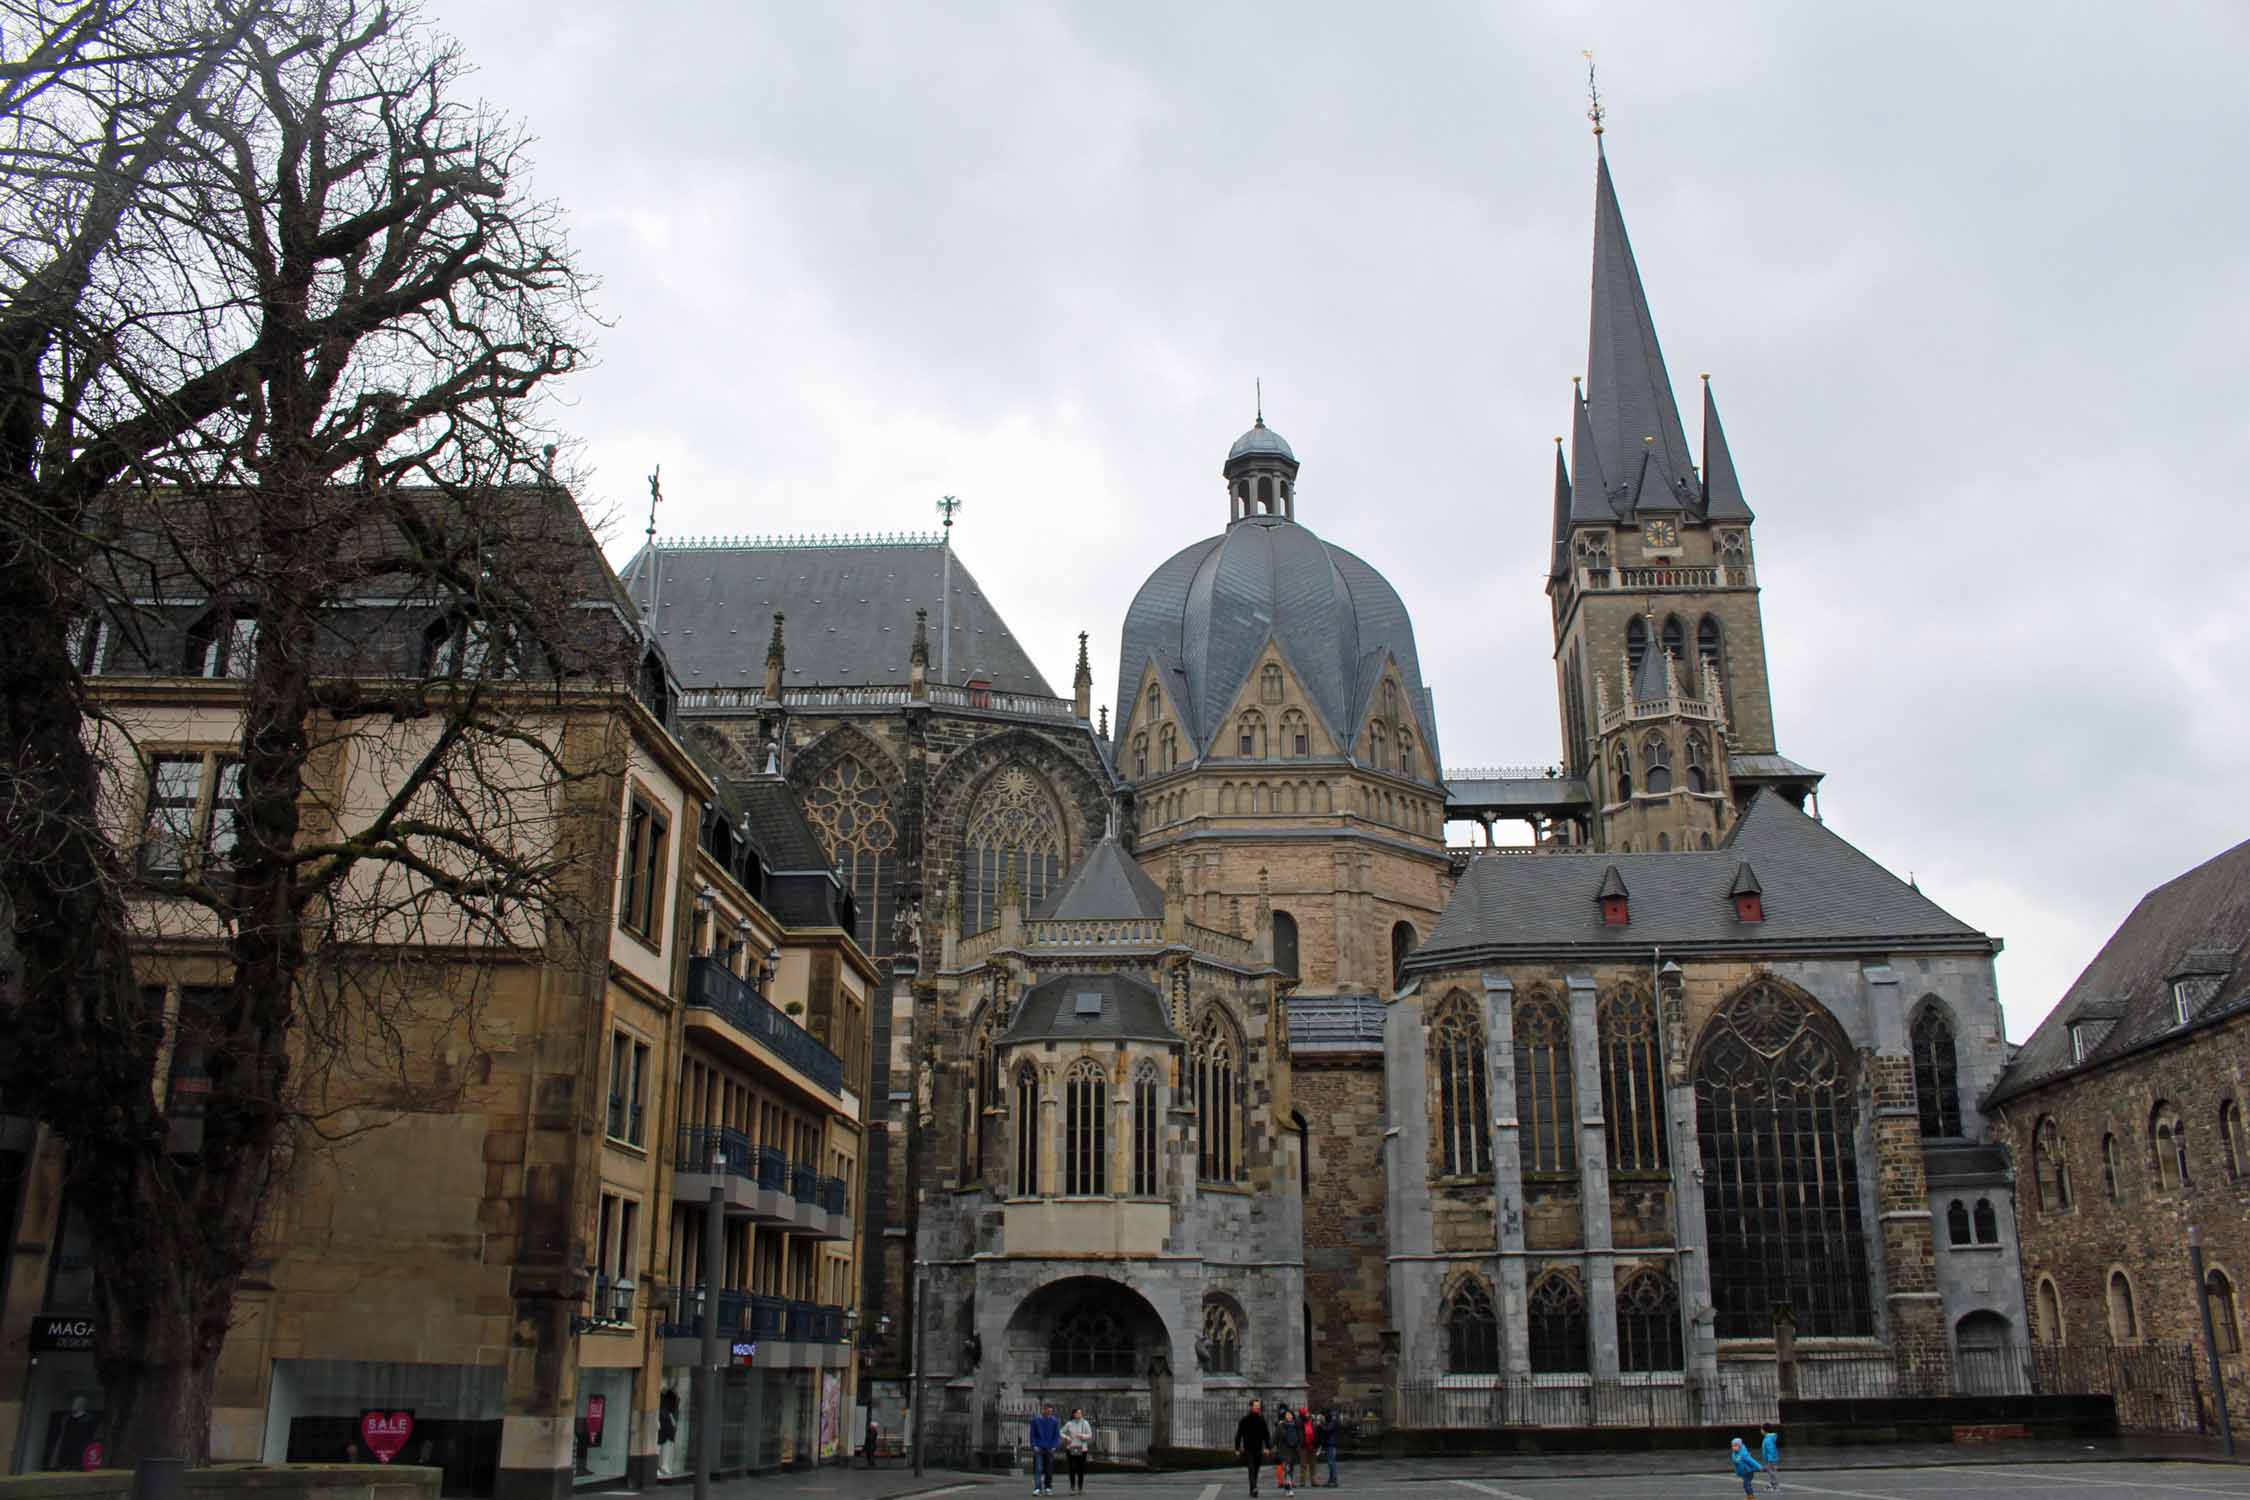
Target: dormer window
(221, 644)
(1616, 910)
(2190, 994)
(1748, 897)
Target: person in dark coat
(1288, 1448)
(1250, 1438)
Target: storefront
(750, 1420)
(603, 1425)
(62, 1417)
(361, 1411)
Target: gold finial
(1558, 440)
(1575, 379)
(1593, 95)
(1706, 375)
(1648, 440)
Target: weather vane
(1593, 94)
(946, 507)
(655, 498)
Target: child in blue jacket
(1770, 1454)
(1744, 1464)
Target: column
(1593, 1179)
(1914, 1310)
(1691, 1267)
(1507, 1174)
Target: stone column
(1507, 1172)
(1593, 1179)
(1412, 1279)
(1691, 1266)
(1914, 1308)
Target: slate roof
(1629, 393)
(1126, 1010)
(1649, 681)
(1207, 612)
(2191, 920)
(1261, 440)
(1722, 490)
(802, 886)
(1818, 891)
(850, 609)
(1105, 883)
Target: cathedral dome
(1261, 441)
(1205, 615)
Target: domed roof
(1261, 441)
(1205, 615)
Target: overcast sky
(1970, 282)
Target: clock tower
(1659, 647)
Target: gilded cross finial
(1593, 95)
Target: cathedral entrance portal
(1091, 1343)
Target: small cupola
(1261, 474)
(1749, 899)
(1615, 910)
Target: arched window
(853, 813)
(1698, 763)
(2167, 1137)
(2110, 1161)
(1957, 1223)
(2050, 1312)
(1988, 1223)
(1457, 1062)
(1656, 764)
(1216, 1100)
(1937, 1090)
(1545, 1096)
(1663, 843)
(1378, 744)
(1406, 752)
(1013, 825)
(1155, 703)
(1085, 1129)
(1089, 1340)
(1250, 735)
(2233, 1140)
(1558, 1326)
(1285, 944)
(1621, 767)
(1636, 647)
(1222, 1338)
(1269, 683)
(2226, 1328)
(1648, 1323)
(1140, 756)
(1402, 949)
(1707, 647)
(1148, 1130)
(1472, 1332)
(1775, 1109)
(2124, 1326)
(977, 1092)
(1632, 1082)
(1296, 734)
(1167, 749)
(1027, 1131)
(2049, 1166)
(1675, 640)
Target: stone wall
(1344, 1232)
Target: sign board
(386, 1432)
(58, 1334)
(91, 1456)
(597, 1407)
(743, 1354)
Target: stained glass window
(1457, 1060)
(1086, 1129)
(1558, 1326)
(1648, 1323)
(852, 810)
(1014, 825)
(1027, 1131)
(1776, 1114)
(1472, 1332)
(1937, 1089)
(1215, 1100)
(1148, 1126)
(1546, 1097)
(1632, 1082)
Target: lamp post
(921, 1281)
(2210, 1342)
(707, 1367)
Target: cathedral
(1209, 1069)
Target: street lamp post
(2210, 1342)
(707, 1367)
(921, 1285)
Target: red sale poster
(386, 1432)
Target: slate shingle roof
(1127, 1009)
(1818, 891)
(1105, 883)
(2189, 924)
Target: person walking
(1288, 1448)
(1311, 1434)
(1078, 1441)
(1331, 1438)
(1744, 1465)
(1046, 1437)
(874, 1436)
(1770, 1455)
(1250, 1436)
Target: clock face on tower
(1657, 531)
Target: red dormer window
(1614, 912)
(1749, 907)
(980, 692)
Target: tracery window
(1937, 1088)
(1632, 1082)
(1593, 550)
(2110, 1165)
(1557, 1317)
(1776, 1111)
(1089, 1341)
(1013, 825)
(1621, 768)
(1027, 1131)
(1222, 1338)
(1545, 1096)
(1167, 748)
(1648, 1323)
(2226, 1327)
(2168, 1139)
(853, 813)
(1296, 734)
(2233, 1139)
(1472, 1331)
(2049, 1166)
(1217, 1100)
(1269, 683)
(1698, 762)
(1378, 745)
(1464, 1115)
(1085, 1129)
(1148, 1125)
(1656, 764)
(1734, 548)
(1707, 646)
(2124, 1326)
(1406, 752)
(1155, 703)
(1250, 735)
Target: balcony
(783, 1334)
(758, 1183)
(717, 991)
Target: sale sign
(596, 1408)
(386, 1432)
(92, 1458)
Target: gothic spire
(1561, 564)
(1629, 394)
(1589, 487)
(1722, 491)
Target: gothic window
(1707, 647)
(1217, 1101)
(1656, 764)
(2050, 1312)
(1167, 749)
(1558, 1326)
(2110, 1165)
(1957, 1223)
(853, 813)
(1937, 1089)
(1734, 548)
(1085, 1129)
(1140, 756)
(2226, 1327)
(1472, 1331)
(1648, 1323)
(1621, 766)
(1155, 703)
(1148, 1126)
(1269, 683)
(976, 1093)
(1250, 735)
(1402, 949)
(1545, 1099)
(1285, 944)
(1014, 826)
(2168, 1139)
(1698, 760)
(1378, 745)
(1222, 1338)
(1406, 752)
(1089, 1341)
(2049, 1167)
(2124, 1327)
(1636, 647)
(1464, 1115)
(1027, 1131)
(1988, 1223)
(2233, 1139)
(1593, 550)
(1296, 737)
(1632, 1082)
(1775, 1111)
(1675, 639)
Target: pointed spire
(1630, 394)
(1654, 679)
(1590, 498)
(1103, 728)
(1561, 565)
(776, 659)
(1722, 491)
(1082, 684)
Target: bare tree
(279, 313)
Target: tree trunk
(158, 1409)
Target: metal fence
(1122, 1422)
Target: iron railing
(804, 1183)
(712, 986)
(770, 1167)
(832, 1196)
